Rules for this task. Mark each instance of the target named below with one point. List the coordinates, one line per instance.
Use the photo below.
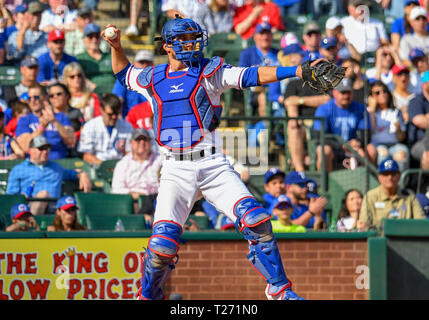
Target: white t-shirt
(365, 37)
(410, 41)
(385, 129)
(50, 18)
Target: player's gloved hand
(322, 76)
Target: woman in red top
(253, 12)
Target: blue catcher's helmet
(179, 33)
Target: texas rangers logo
(176, 88)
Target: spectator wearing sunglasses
(388, 130)
(97, 65)
(42, 120)
(310, 215)
(282, 210)
(106, 137)
(52, 63)
(37, 177)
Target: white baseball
(110, 33)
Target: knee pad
(250, 213)
(164, 241)
(158, 262)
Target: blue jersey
(30, 123)
(130, 98)
(344, 122)
(48, 177)
(47, 68)
(300, 210)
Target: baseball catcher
(185, 98)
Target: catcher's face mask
(186, 38)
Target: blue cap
(271, 173)
(281, 202)
(408, 2)
(312, 189)
(20, 9)
(262, 27)
(18, 210)
(416, 53)
(91, 28)
(296, 178)
(24, 96)
(388, 165)
(425, 77)
(293, 48)
(328, 42)
(66, 202)
(227, 223)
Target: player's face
(276, 186)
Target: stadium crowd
(68, 104)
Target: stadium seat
(102, 204)
(105, 170)
(221, 43)
(5, 168)
(340, 181)
(9, 75)
(45, 221)
(108, 222)
(203, 222)
(7, 202)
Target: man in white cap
(143, 59)
(419, 39)
(334, 28)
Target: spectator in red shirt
(254, 12)
(140, 116)
(19, 109)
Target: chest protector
(182, 109)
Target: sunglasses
(33, 97)
(111, 114)
(378, 92)
(302, 184)
(72, 76)
(58, 94)
(44, 148)
(142, 139)
(403, 73)
(58, 41)
(421, 18)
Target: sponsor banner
(70, 269)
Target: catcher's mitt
(322, 77)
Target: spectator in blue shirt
(402, 25)
(18, 17)
(261, 54)
(37, 177)
(345, 118)
(56, 127)
(274, 185)
(129, 98)
(28, 39)
(2, 49)
(311, 215)
(52, 63)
